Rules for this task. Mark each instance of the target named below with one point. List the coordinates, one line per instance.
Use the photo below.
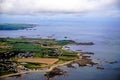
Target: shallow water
(106, 37)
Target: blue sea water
(105, 35)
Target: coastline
(82, 62)
(42, 70)
(50, 69)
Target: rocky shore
(41, 70)
(48, 46)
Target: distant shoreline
(16, 26)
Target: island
(13, 26)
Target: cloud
(57, 6)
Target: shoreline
(53, 65)
(50, 69)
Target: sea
(105, 34)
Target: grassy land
(42, 49)
(3, 72)
(35, 65)
(68, 53)
(15, 26)
(26, 47)
(67, 56)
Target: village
(20, 55)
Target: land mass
(6, 26)
(23, 55)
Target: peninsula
(23, 55)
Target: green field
(11, 49)
(15, 26)
(41, 47)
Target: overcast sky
(77, 7)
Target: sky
(63, 8)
